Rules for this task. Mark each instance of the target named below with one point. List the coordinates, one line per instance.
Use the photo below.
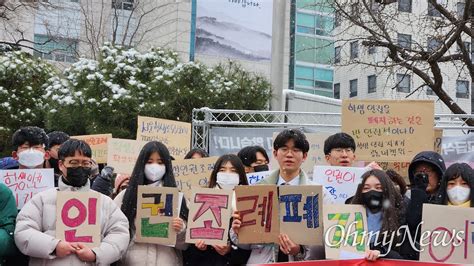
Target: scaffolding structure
(204, 119)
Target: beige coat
(35, 233)
(152, 254)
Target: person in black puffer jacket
(425, 173)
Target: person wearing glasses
(339, 149)
(35, 232)
(425, 173)
(290, 148)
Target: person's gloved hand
(107, 172)
(420, 181)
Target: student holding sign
(385, 213)
(153, 168)
(36, 229)
(228, 172)
(457, 185)
(290, 148)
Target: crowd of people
(29, 235)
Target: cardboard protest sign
(344, 227)
(258, 208)
(122, 154)
(339, 183)
(315, 153)
(78, 216)
(254, 178)
(209, 216)
(98, 145)
(301, 214)
(389, 130)
(447, 234)
(175, 135)
(156, 208)
(193, 173)
(400, 167)
(438, 139)
(25, 183)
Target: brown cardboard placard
(122, 154)
(438, 139)
(78, 216)
(174, 134)
(98, 143)
(389, 130)
(156, 208)
(258, 209)
(455, 225)
(209, 216)
(193, 173)
(337, 242)
(301, 213)
(400, 167)
(315, 153)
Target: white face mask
(154, 172)
(458, 195)
(227, 180)
(31, 158)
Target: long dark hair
(129, 203)
(392, 214)
(454, 171)
(236, 163)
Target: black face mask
(261, 168)
(373, 200)
(54, 164)
(77, 176)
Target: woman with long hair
(385, 212)
(228, 172)
(152, 168)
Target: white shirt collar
(293, 182)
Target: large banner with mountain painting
(240, 29)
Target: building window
(354, 50)
(372, 49)
(337, 91)
(404, 5)
(313, 24)
(337, 54)
(310, 77)
(433, 44)
(467, 46)
(122, 4)
(371, 83)
(404, 40)
(460, 6)
(429, 90)
(337, 18)
(462, 89)
(353, 88)
(432, 11)
(403, 83)
(355, 9)
(56, 49)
